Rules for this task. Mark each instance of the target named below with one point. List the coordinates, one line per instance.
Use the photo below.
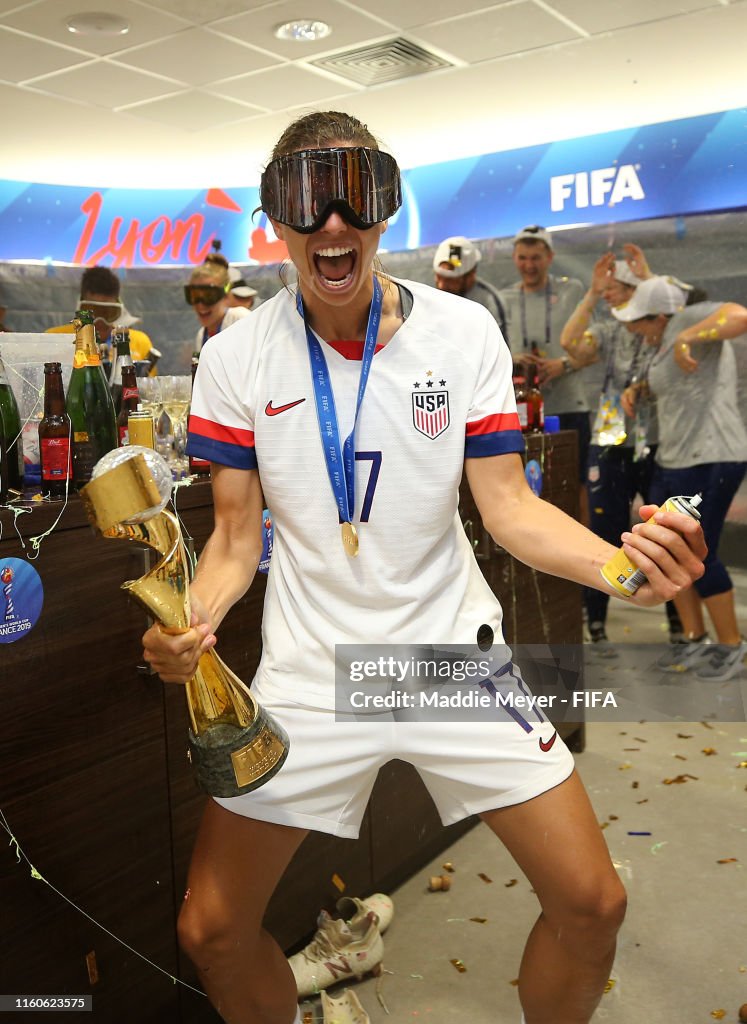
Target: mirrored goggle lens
(299, 189)
(109, 312)
(205, 294)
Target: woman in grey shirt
(702, 450)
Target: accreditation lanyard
(548, 324)
(340, 462)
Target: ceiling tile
(287, 86)
(192, 111)
(602, 17)
(348, 25)
(199, 12)
(197, 56)
(24, 58)
(105, 85)
(48, 18)
(497, 32)
(408, 13)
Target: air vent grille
(388, 61)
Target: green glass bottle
(89, 402)
(10, 426)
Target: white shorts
(468, 767)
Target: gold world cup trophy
(235, 746)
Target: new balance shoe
(338, 951)
(352, 910)
(345, 1009)
(682, 655)
(721, 662)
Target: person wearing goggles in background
(369, 548)
(207, 293)
(100, 294)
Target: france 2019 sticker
(21, 599)
(267, 538)
(533, 473)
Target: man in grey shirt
(455, 266)
(537, 308)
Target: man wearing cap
(455, 266)
(702, 450)
(239, 292)
(537, 308)
(100, 294)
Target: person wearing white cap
(537, 308)
(702, 450)
(455, 266)
(619, 463)
(239, 292)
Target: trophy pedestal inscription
(235, 746)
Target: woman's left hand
(669, 548)
(683, 357)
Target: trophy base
(230, 761)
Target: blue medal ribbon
(340, 460)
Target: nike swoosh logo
(272, 410)
(549, 743)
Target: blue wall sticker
(21, 599)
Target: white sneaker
(345, 1009)
(722, 661)
(682, 655)
(337, 952)
(352, 910)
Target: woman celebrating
(208, 294)
(353, 402)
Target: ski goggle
(301, 189)
(109, 312)
(205, 294)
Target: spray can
(141, 428)
(623, 574)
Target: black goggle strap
(299, 188)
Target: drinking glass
(176, 394)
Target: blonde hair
(215, 268)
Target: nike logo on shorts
(548, 744)
(272, 410)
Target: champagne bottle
(196, 465)
(54, 435)
(121, 340)
(11, 428)
(129, 403)
(89, 402)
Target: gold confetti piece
(514, 881)
(338, 883)
(743, 970)
(604, 824)
(728, 860)
(639, 740)
(680, 757)
(485, 878)
(742, 764)
(718, 1014)
(706, 725)
(613, 817)
(609, 986)
(479, 920)
(635, 785)
(514, 981)
(448, 866)
(459, 966)
(624, 767)
(709, 751)
(679, 779)
(642, 801)
(627, 749)
(684, 735)
(93, 967)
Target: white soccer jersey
(438, 392)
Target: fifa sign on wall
(693, 165)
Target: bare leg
(723, 615)
(236, 864)
(690, 610)
(556, 840)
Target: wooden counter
(96, 788)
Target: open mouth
(335, 265)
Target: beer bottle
(89, 403)
(535, 401)
(522, 400)
(121, 341)
(129, 403)
(11, 428)
(54, 435)
(196, 465)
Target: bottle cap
(552, 424)
(696, 500)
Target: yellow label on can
(623, 574)
(142, 431)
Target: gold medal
(349, 539)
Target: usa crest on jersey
(430, 412)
